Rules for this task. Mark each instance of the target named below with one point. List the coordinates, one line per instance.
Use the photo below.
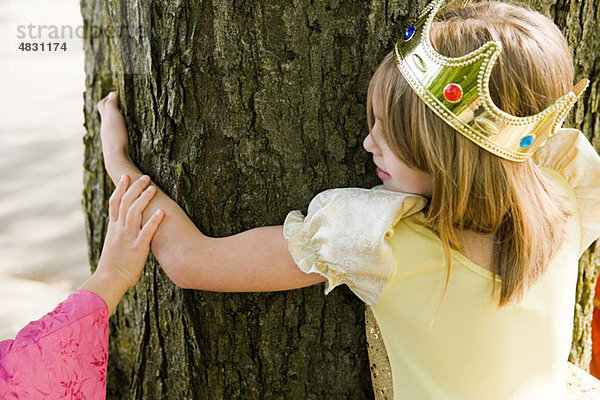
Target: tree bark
(243, 111)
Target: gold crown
(457, 89)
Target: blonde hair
(511, 200)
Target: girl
(64, 354)
(468, 253)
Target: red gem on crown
(452, 92)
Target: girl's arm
(69, 345)
(256, 260)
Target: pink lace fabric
(61, 355)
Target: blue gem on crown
(527, 141)
(408, 34)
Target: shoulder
(375, 206)
(343, 236)
(350, 213)
(571, 162)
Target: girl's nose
(368, 144)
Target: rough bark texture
(243, 111)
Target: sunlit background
(43, 249)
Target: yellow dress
(370, 240)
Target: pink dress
(62, 355)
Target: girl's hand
(127, 243)
(113, 132)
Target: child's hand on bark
(113, 133)
(127, 243)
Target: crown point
(453, 92)
(527, 141)
(408, 34)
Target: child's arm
(127, 242)
(252, 261)
(70, 343)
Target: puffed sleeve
(571, 154)
(62, 355)
(343, 237)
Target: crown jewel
(457, 90)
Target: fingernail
(145, 178)
(150, 188)
(111, 95)
(122, 178)
(159, 212)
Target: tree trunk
(241, 112)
